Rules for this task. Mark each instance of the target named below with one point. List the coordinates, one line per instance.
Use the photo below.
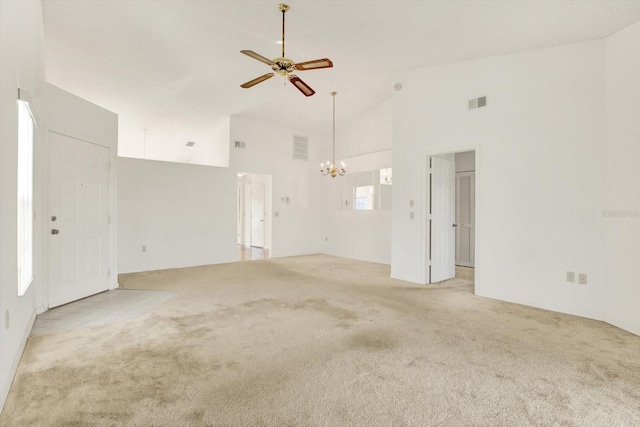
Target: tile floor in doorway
(106, 307)
(248, 253)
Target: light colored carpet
(318, 340)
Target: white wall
(369, 133)
(21, 65)
(268, 151)
(539, 170)
(362, 235)
(184, 214)
(365, 145)
(465, 161)
(166, 143)
(623, 179)
(73, 116)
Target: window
(25, 196)
(364, 197)
(364, 191)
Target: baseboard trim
(587, 315)
(634, 329)
(16, 360)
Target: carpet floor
(325, 341)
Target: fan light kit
(331, 168)
(285, 66)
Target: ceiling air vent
(300, 147)
(477, 103)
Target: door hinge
(429, 263)
(109, 271)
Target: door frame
(472, 177)
(43, 304)
(244, 208)
(264, 215)
(425, 236)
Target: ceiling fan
(285, 66)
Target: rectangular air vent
(477, 103)
(240, 144)
(300, 147)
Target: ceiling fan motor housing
(283, 66)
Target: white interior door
(257, 216)
(78, 219)
(465, 218)
(443, 215)
(246, 215)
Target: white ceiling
(175, 67)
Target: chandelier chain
(331, 168)
(334, 126)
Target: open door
(465, 219)
(442, 220)
(257, 216)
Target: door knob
(54, 231)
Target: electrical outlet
(144, 248)
(410, 215)
(582, 279)
(571, 276)
(410, 203)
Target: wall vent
(240, 144)
(300, 147)
(477, 103)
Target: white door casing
(257, 215)
(442, 210)
(465, 219)
(78, 252)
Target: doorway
(451, 217)
(78, 247)
(254, 196)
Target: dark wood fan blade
(301, 86)
(255, 81)
(315, 64)
(258, 57)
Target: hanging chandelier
(331, 168)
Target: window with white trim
(25, 196)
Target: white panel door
(443, 215)
(257, 216)
(246, 215)
(78, 219)
(465, 218)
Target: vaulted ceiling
(175, 67)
